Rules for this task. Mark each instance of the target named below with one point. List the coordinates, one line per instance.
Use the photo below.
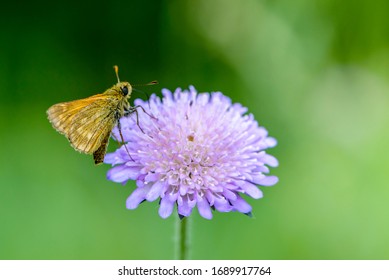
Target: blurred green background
(314, 73)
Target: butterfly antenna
(117, 72)
(145, 93)
(148, 84)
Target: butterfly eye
(124, 90)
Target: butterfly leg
(133, 110)
(143, 109)
(122, 139)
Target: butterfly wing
(92, 125)
(99, 154)
(61, 115)
(87, 123)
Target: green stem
(182, 239)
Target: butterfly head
(124, 88)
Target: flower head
(200, 151)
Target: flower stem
(182, 239)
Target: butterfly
(88, 122)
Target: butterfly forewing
(61, 115)
(87, 123)
(91, 125)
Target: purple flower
(199, 150)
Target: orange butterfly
(88, 122)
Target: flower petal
(268, 181)
(113, 158)
(137, 196)
(122, 173)
(152, 177)
(241, 205)
(251, 189)
(270, 160)
(271, 142)
(230, 195)
(184, 209)
(204, 208)
(155, 191)
(222, 205)
(166, 207)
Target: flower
(191, 150)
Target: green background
(314, 73)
